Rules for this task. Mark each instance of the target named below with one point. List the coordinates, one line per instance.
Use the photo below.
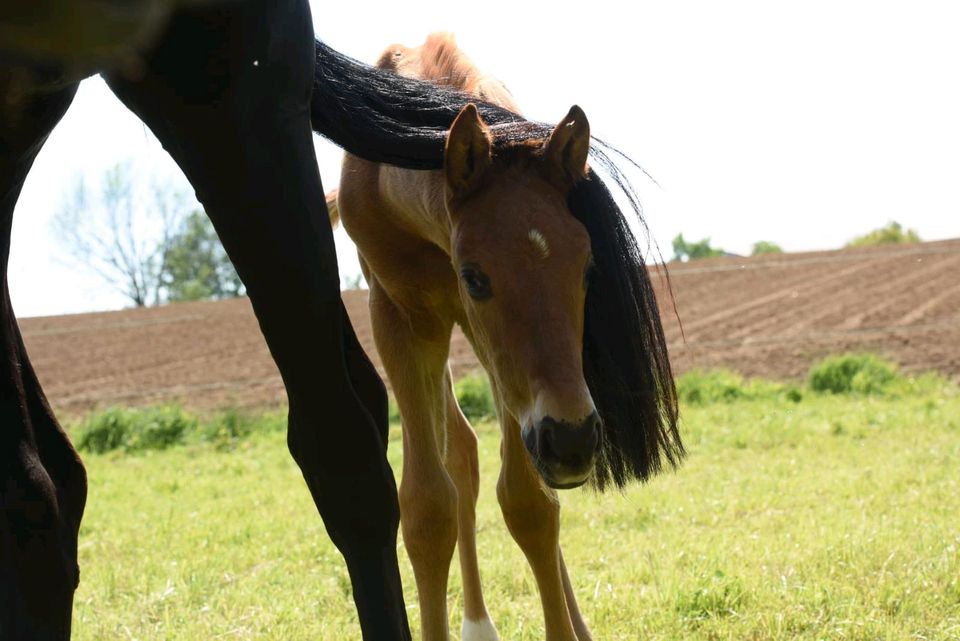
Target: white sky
(801, 123)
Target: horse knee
(428, 518)
(352, 484)
(40, 573)
(531, 514)
(370, 388)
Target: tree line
(161, 248)
(892, 233)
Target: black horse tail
(625, 358)
(383, 117)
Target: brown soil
(766, 316)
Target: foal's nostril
(573, 444)
(548, 450)
(564, 451)
(595, 426)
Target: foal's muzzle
(564, 452)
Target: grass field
(831, 517)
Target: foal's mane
(441, 61)
(384, 117)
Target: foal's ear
(467, 154)
(565, 152)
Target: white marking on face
(540, 243)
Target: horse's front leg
(43, 485)
(414, 349)
(532, 513)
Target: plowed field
(769, 316)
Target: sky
(804, 124)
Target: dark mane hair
(625, 359)
(384, 117)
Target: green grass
(825, 517)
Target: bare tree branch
(118, 237)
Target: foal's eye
(476, 282)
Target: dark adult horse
(232, 90)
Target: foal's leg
(579, 625)
(532, 514)
(227, 92)
(464, 467)
(43, 486)
(414, 350)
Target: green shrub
(134, 430)
(765, 247)
(227, 427)
(104, 431)
(475, 397)
(698, 387)
(157, 428)
(892, 234)
(859, 373)
(685, 250)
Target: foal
(488, 243)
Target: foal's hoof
(482, 630)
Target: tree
(684, 250)
(893, 233)
(765, 247)
(196, 266)
(150, 249)
(353, 281)
(115, 236)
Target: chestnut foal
(491, 243)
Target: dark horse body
(232, 90)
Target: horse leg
(579, 625)
(532, 514)
(227, 91)
(414, 352)
(364, 378)
(43, 485)
(464, 468)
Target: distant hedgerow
(157, 428)
(699, 387)
(134, 430)
(859, 373)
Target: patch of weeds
(138, 430)
(698, 387)
(134, 430)
(859, 373)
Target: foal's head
(523, 261)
